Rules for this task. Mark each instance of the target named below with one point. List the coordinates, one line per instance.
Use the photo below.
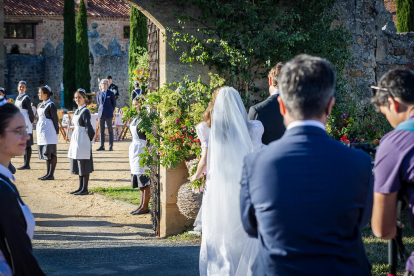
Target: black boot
(27, 156)
(80, 185)
(84, 190)
(53, 162)
(48, 170)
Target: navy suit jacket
(107, 106)
(306, 198)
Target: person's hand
(193, 178)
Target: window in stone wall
(19, 30)
(127, 31)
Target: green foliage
(354, 120)
(124, 194)
(174, 111)
(241, 40)
(69, 53)
(15, 49)
(83, 76)
(405, 15)
(129, 113)
(141, 72)
(138, 40)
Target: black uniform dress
(46, 151)
(15, 244)
(83, 167)
(135, 93)
(139, 180)
(27, 104)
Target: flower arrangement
(10, 100)
(197, 185)
(174, 111)
(141, 72)
(93, 108)
(356, 121)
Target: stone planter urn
(188, 201)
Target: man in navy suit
(306, 197)
(106, 106)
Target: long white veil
(223, 237)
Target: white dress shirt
(306, 123)
(6, 172)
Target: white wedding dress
(232, 136)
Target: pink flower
(177, 120)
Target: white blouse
(203, 133)
(256, 131)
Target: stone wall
(50, 29)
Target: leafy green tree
(138, 40)
(69, 52)
(242, 39)
(405, 16)
(83, 76)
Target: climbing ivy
(242, 39)
(405, 15)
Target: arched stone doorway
(170, 69)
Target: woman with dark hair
(80, 149)
(47, 130)
(3, 93)
(25, 105)
(17, 223)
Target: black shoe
(43, 177)
(142, 212)
(74, 192)
(133, 212)
(82, 193)
(48, 178)
(111, 149)
(24, 168)
(101, 148)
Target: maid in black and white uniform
(17, 222)
(47, 130)
(25, 105)
(137, 92)
(80, 150)
(3, 93)
(138, 177)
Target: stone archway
(170, 69)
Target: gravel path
(91, 235)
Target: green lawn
(125, 194)
(377, 249)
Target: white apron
(80, 144)
(25, 113)
(135, 149)
(45, 130)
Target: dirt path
(90, 235)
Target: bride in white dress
(231, 138)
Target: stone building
(33, 23)
(392, 8)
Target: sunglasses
(376, 88)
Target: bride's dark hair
(209, 110)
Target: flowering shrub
(129, 113)
(93, 108)
(197, 185)
(356, 121)
(10, 100)
(141, 72)
(174, 111)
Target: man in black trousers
(113, 87)
(268, 111)
(106, 106)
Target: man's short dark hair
(306, 85)
(109, 78)
(399, 84)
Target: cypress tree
(83, 76)
(138, 38)
(405, 15)
(69, 53)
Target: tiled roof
(98, 8)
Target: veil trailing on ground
(223, 237)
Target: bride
(232, 136)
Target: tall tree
(83, 76)
(405, 16)
(138, 38)
(69, 53)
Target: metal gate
(153, 50)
